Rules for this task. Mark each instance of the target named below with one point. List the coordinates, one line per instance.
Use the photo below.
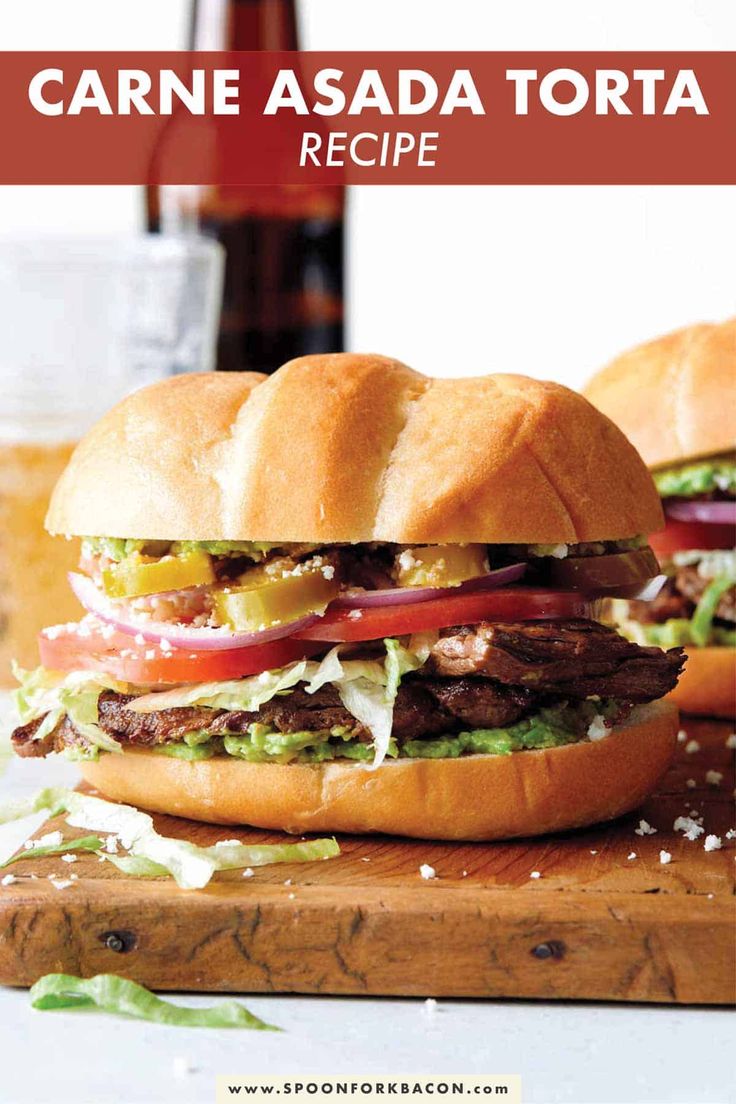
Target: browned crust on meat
(572, 659)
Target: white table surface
(586, 1053)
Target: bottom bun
(707, 686)
(477, 797)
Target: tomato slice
(118, 655)
(681, 536)
(507, 603)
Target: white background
(548, 281)
(552, 282)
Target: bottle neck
(244, 25)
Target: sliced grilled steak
(572, 659)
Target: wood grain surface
(596, 924)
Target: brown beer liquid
(34, 591)
(283, 290)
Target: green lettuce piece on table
(122, 997)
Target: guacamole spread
(702, 477)
(551, 727)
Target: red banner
(388, 118)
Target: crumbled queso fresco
(598, 728)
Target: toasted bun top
(351, 447)
(671, 397)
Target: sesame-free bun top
(348, 447)
(673, 397)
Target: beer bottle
(283, 291)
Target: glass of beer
(84, 322)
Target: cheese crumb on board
(535, 874)
(645, 829)
(665, 857)
(631, 855)
(692, 746)
(712, 843)
(689, 826)
(427, 871)
(9, 879)
(713, 777)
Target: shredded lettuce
(247, 694)
(135, 866)
(191, 867)
(75, 694)
(51, 800)
(118, 995)
(83, 843)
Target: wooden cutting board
(596, 925)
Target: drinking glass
(83, 322)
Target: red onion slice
(402, 596)
(201, 640)
(717, 513)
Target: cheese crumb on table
(689, 826)
(631, 855)
(691, 783)
(645, 829)
(429, 1008)
(712, 843)
(248, 872)
(535, 874)
(731, 833)
(731, 740)
(713, 777)
(692, 746)
(665, 857)
(427, 871)
(8, 879)
(681, 736)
